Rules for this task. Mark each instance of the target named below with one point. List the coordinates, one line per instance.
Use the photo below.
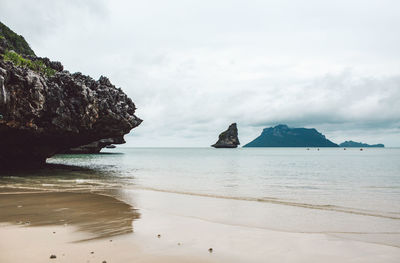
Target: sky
(193, 67)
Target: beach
(71, 211)
(183, 236)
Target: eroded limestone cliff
(45, 109)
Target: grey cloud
(340, 99)
(37, 19)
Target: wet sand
(71, 225)
(98, 215)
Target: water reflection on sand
(66, 195)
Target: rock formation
(95, 147)
(359, 144)
(283, 136)
(228, 139)
(45, 109)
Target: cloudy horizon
(194, 67)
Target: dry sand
(71, 225)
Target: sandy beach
(93, 227)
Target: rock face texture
(283, 136)
(229, 138)
(359, 144)
(95, 147)
(41, 115)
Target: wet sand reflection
(99, 215)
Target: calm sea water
(361, 187)
(368, 179)
(365, 180)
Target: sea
(347, 193)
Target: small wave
(271, 200)
(383, 187)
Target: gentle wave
(277, 201)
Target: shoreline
(274, 217)
(277, 201)
(185, 237)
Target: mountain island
(284, 136)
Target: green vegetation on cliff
(15, 49)
(36, 65)
(14, 41)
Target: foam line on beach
(272, 200)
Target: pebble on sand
(210, 250)
(158, 235)
(53, 256)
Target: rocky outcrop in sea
(95, 147)
(228, 138)
(45, 109)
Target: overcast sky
(194, 67)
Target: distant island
(283, 136)
(359, 144)
(228, 138)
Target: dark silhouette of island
(283, 136)
(359, 144)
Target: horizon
(312, 65)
